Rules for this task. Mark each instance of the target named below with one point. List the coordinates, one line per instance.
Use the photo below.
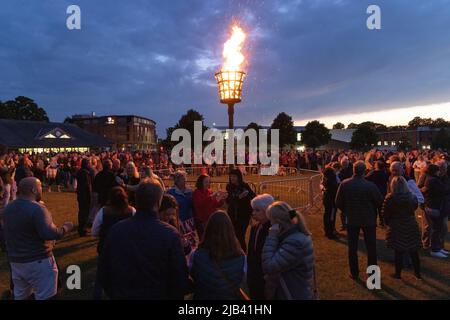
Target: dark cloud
(157, 58)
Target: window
(110, 120)
(299, 136)
(393, 143)
(386, 143)
(379, 143)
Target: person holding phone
(239, 200)
(288, 256)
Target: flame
(232, 50)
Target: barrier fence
(300, 191)
(224, 170)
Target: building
(37, 137)
(128, 132)
(420, 138)
(340, 139)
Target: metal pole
(231, 116)
(231, 126)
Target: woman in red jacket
(205, 201)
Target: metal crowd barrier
(300, 193)
(215, 185)
(298, 187)
(223, 170)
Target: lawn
(331, 263)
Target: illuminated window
(110, 120)
(50, 136)
(386, 143)
(299, 136)
(379, 143)
(393, 143)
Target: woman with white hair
(258, 235)
(288, 256)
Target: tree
(315, 135)
(375, 126)
(284, 123)
(364, 138)
(440, 123)
(397, 128)
(186, 122)
(420, 122)
(441, 140)
(352, 126)
(253, 125)
(22, 108)
(339, 126)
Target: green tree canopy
(22, 108)
(365, 137)
(186, 122)
(315, 134)
(284, 123)
(428, 122)
(338, 126)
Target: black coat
(346, 173)
(359, 199)
(255, 275)
(434, 192)
(84, 184)
(143, 258)
(103, 183)
(239, 210)
(399, 213)
(329, 192)
(381, 179)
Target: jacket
(434, 192)
(255, 274)
(210, 283)
(205, 205)
(403, 232)
(359, 199)
(381, 179)
(103, 183)
(289, 258)
(143, 258)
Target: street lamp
(231, 78)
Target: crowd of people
(159, 241)
(389, 187)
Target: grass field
(331, 263)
